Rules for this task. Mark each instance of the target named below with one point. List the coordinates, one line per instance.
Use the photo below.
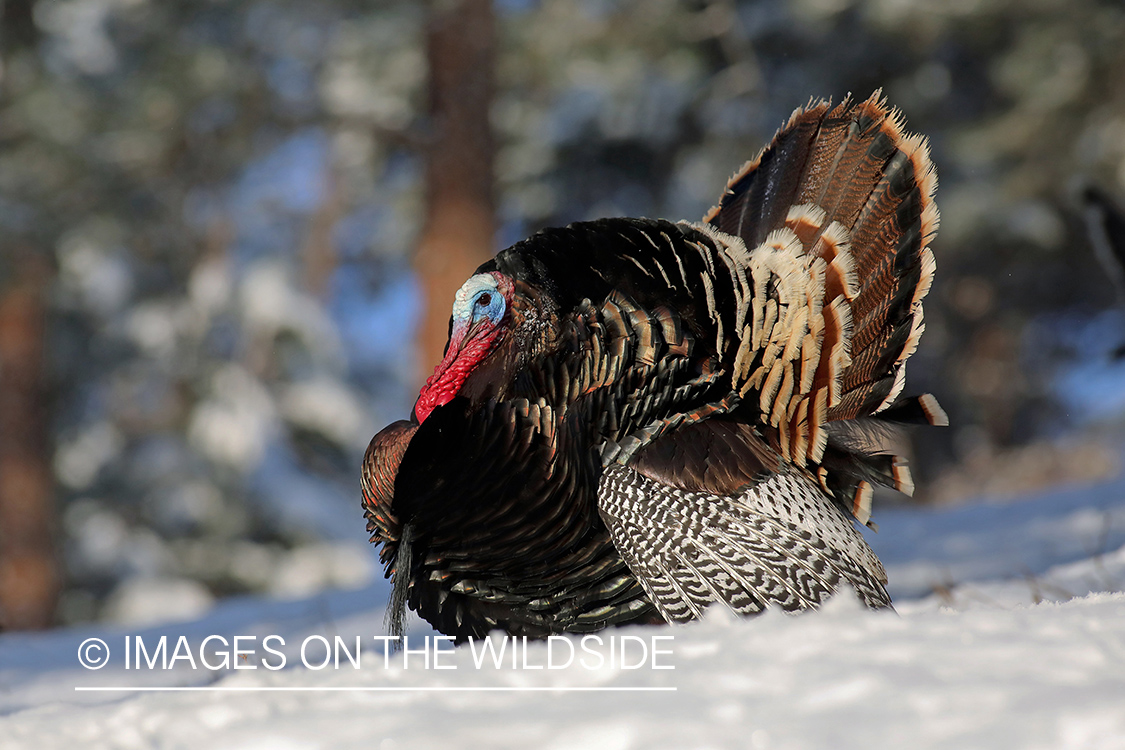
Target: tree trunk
(460, 224)
(28, 572)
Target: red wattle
(451, 373)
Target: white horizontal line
(452, 689)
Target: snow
(1009, 633)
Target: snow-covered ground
(1010, 633)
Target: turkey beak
(474, 328)
(459, 342)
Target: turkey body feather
(636, 419)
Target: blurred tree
(29, 575)
(208, 181)
(29, 582)
(459, 223)
(223, 196)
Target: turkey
(635, 420)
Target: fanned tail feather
(843, 199)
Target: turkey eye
(484, 300)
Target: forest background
(230, 233)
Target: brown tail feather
(758, 196)
(849, 169)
